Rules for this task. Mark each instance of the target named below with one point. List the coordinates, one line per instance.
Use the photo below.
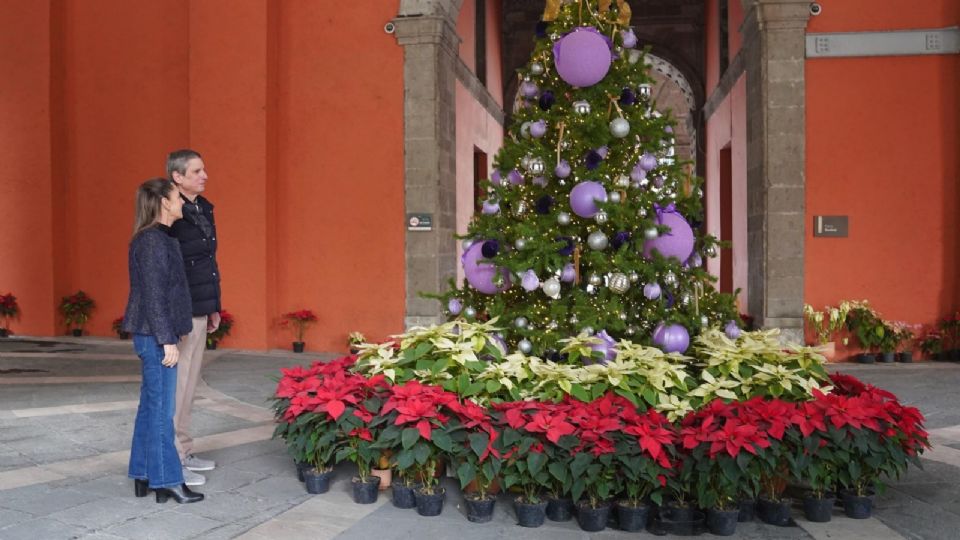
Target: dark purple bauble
(620, 239)
(582, 57)
(480, 275)
(672, 338)
(490, 249)
(546, 100)
(668, 296)
(567, 249)
(627, 97)
(592, 160)
(543, 204)
(541, 29)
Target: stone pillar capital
(430, 29)
(774, 15)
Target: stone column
(774, 51)
(430, 53)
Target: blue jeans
(153, 455)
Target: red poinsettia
(298, 320)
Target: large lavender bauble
(480, 275)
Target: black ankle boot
(181, 494)
(140, 487)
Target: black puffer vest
(197, 234)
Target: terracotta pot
(829, 350)
(385, 476)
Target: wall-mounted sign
(830, 226)
(419, 222)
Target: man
(197, 234)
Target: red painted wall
(882, 140)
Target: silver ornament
(469, 312)
(642, 212)
(711, 251)
(536, 166)
(574, 319)
(619, 127)
(634, 277)
(536, 68)
(552, 325)
(581, 107)
(594, 280)
(520, 322)
(614, 196)
(466, 243)
(619, 283)
(563, 218)
(520, 243)
(645, 90)
(597, 241)
(622, 316)
(525, 130)
(601, 217)
(520, 208)
(651, 233)
(525, 346)
(554, 36)
(685, 299)
(633, 56)
(551, 287)
(588, 330)
(670, 278)
(623, 181)
(525, 161)
(704, 321)
(631, 330)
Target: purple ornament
(562, 170)
(668, 129)
(530, 281)
(602, 152)
(592, 160)
(499, 342)
(627, 97)
(607, 346)
(568, 274)
(515, 177)
(651, 291)
(495, 178)
(638, 174)
(543, 204)
(546, 100)
(454, 306)
(541, 29)
(538, 129)
(568, 246)
(672, 338)
(629, 38)
(677, 242)
(582, 57)
(490, 207)
(732, 330)
(480, 274)
(540, 181)
(489, 249)
(695, 260)
(528, 89)
(619, 239)
(658, 181)
(648, 161)
(584, 197)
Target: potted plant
(950, 331)
(298, 321)
(359, 425)
(381, 469)
(646, 453)
(76, 310)
(931, 344)
(889, 342)
(354, 340)
(479, 461)
(905, 336)
(813, 461)
(9, 310)
(867, 326)
(528, 425)
(117, 327)
(223, 330)
(825, 324)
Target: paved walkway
(66, 416)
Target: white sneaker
(191, 478)
(194, 463)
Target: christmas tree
(587, 226)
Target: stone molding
(727, 81)
(479, 92)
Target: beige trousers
(191, 349)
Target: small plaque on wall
(419, 222)
(830, 226)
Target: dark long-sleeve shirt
(159, 301)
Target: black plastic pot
(123, 335)
(366, 492)
(819, 510)
(76, 332)
(4, 333)
(692, 526)
(888, 357)
(866, 358)
(592, 519)
(211, 345)
(722, 522)
(559, 509)
(774, 512)
(857, 507)
(530, 514)
(298, 346)
(479, 510)
(748, 509)
(632, 518)
(403, 496)
(673, 512)
(905, 357)
(301, 466)
(429, 504)
(316, 481)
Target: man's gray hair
(178, 159)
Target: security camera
(815, 9)
(390, 28)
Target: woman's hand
(170, 355)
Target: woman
(158, 313)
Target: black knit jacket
(159, 301)
(197, 233)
